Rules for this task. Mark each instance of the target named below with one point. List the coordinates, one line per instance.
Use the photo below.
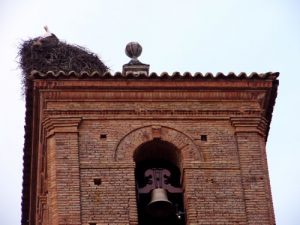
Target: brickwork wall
(214, 196)
(92, 140)
(111, 202)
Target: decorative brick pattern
(131, 142)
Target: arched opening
(158, 184)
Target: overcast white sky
(190, 35)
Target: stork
(48, 33)
(47, 40)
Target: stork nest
(51, 54)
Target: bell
(160, 206)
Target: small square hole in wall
(103, 136)
(97, 181)
(92, 223)
(203, 137)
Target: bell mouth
(160, 206)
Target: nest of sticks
(50, 54)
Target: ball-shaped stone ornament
(133, 50)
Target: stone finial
(133, 50)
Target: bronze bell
(160, 206)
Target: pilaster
(63, 170)
(250, 136)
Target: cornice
(144, 95)
(250, 124)
(54, 125)
(173, 114)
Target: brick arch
(131, 141)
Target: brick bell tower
(138, 149)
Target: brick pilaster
(250, 138)
(63, 170)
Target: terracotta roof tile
(164, 75)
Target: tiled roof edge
(164, 75)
